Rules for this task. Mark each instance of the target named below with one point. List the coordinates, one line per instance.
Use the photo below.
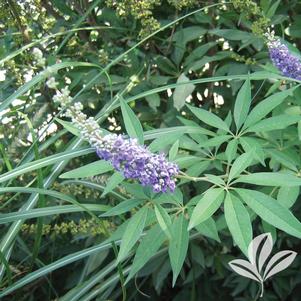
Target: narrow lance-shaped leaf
(271, 211)
(122, 207)
(274, 123)
(148, 247)
(240, 164)
(27, 167)
(163, 220)
(238, 221)
(46, 211)
(209, 118)
(231, 150)
(242, 104)
(287, 196)
(178, 245)
(174, 150)
(132, 233)
(88, 170)
(270, 179)
(182, 91)
(209, 202)
(112, 183)
(208, 228)
(131, 122)
(266, 106)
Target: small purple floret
(284, 60)
(137, 162)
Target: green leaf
(163, 220)
(216, 141)
(274, 123)
(113, 182)
(147, 248)
(153, 101)
(209, 118)
(198, 52)
(215, 179)
(242, 104)
(178, 245)
(163, 141)
(27, 167)
(69, 126)
(208, 228)
(272, 10)
(182, 91)
(238, 221)
(283, 158)
(132, 233)
(89, 170)
(266, 106)
(122, 207)
(73, 257)
(267, 228)
(270, 179)
(174, 151)
(46, 211)
(209, 202)
(287, 196)
(231, 150)
(271, 211)
(232, 34)
(131, 122)
(250, 143)
(240, 164)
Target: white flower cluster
(38, 57)
(63, 97)
(271, 39)
(88, 127)
(51, 83)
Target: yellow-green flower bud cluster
(82, 227)
(181, 4)
(76, 190)
(243, 59)
(252, 12)
(140, 10)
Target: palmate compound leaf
(278, 263)
(245, 269)
(266, 106)
(260, 255)
(271, 211)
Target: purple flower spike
(284, 60)
(137, 162)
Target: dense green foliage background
(203, 90)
